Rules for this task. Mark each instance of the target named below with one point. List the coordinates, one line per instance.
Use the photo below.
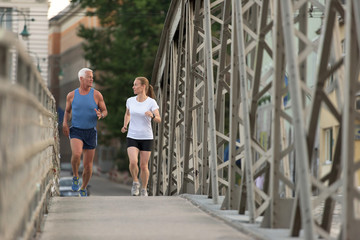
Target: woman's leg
(133, 153)
(144, 168)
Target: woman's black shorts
(141, 144)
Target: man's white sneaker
(135, 189)
(143, 193)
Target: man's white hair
(82, 72)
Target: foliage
(123, 48)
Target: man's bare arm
(102, 112)
(67, 113)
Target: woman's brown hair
(148, 88)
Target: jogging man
(85, 106)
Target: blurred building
(28, 21)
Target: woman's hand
(123, 129)
(150, 114)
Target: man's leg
(76, 151)
(144, 168)
(133, 153)
(88, 160)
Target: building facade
(23, 18)
(328, 126)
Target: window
(328, 145)
(329, 84)
(6, 18)
(343, 46)
(357, 103)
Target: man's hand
(66, 130)
(98, 113)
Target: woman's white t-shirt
(140, 124)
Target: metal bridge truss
(217, 61)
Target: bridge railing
(29, 148)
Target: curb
(235, 224)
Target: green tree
(123, 48)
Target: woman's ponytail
(150, 92)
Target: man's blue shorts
(88, 136)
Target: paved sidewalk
(233, 218)
(177, 217)
(127, 217)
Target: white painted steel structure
(217, 61)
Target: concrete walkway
(129, 217)
(177, 217)
(241, 222)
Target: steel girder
(350, 116)
(216, 62)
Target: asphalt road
(103, 186)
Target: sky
(56, 6)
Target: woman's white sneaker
(135, 189)
(143, 193)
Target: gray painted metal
(351, 201)
(238, 41)
(215, 64)
(277, 216)
(211, 113)
(302, 162)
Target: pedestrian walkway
(129, 217)
(176, 217)
(238, 221)
(241, 222)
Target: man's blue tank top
(83, 113)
